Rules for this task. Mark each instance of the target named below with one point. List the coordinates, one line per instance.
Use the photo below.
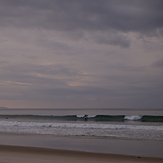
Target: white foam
(91, 116)
(80, 125)
(80, 116)
(133, 117)
(88, 116)
(84, 129)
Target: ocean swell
(96, 118)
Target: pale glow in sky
(78, 53)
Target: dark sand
(16, 154)
(87, 144)
(17, 148)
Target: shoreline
(76, 136)
(111, 146)
(17, 154)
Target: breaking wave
(133, 118)
(96, 118)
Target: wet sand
(138, 148)
(17, 154)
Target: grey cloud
(80, 18)
(129, 68)
(129, 92)
(125, 15)
(21, 82)
(37, 74)
(112, 39)
(158, 63)
(80, 91)
(34, 34)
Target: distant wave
(100, 118)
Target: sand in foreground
(13, 154)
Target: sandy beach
(16, 154)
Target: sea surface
(132, 124)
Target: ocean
(136, 132)
(133, 124)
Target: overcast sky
(81, 53)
